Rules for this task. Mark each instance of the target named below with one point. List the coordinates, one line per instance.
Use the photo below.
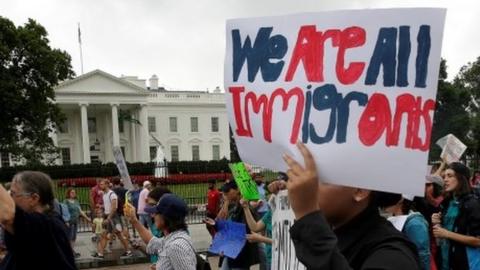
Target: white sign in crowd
(357, 87)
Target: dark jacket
(467, 223)
(40, 241)
(368, 241)
(249, 254)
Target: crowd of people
(336, 227)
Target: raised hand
(129, 211)
(244, 203)
(275, 186)
(303, 183)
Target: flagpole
(80, 45)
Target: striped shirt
(174, 251)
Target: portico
(103, 111)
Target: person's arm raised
(223, 213)
(7, 210)
(314, 241)
(442, 166)
(130, 214)
(252, 224)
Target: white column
(144, 138)
(85, 138)
(115, 132)
(108, 142)
(133, 140)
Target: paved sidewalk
(85, 246)
(213, 264)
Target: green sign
(244, 181)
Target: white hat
(146, 184)
(434, 179)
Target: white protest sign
(283, 250)
(452, 148)
(357, 87)
(122, 167)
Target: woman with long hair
(35, 235)
(458, 225)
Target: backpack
(62, 210)
(120, 199)
(202, 261)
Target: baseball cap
(229, 185)
(170, 206)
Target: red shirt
(97, 195)
(213, 201)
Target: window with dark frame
(214, 124)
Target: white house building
(104, 111)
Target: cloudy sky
(182, 41)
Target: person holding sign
(360, 239)
(458, 225)
(233, 211)
(264, 224)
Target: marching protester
(340, 227)
(120, 191)
(96, 196)
(95, 200)
(214, 197)
(175, 250)
(458, 225)
(35, 235)
(76, 212)
(232, 210)
(415, 226)
(261, 208)
(256, 227)
(145, 218)
(112, 221)
(153, 198)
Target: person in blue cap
(175, 250)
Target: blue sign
(229, 239)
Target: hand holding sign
(302, 183)
(452, 148)
(229, 239)
(129, 211)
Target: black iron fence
(192, 188)
(195, 195)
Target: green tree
(451, 114)
(29, 71)
(468, 79)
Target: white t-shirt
(107, 201)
